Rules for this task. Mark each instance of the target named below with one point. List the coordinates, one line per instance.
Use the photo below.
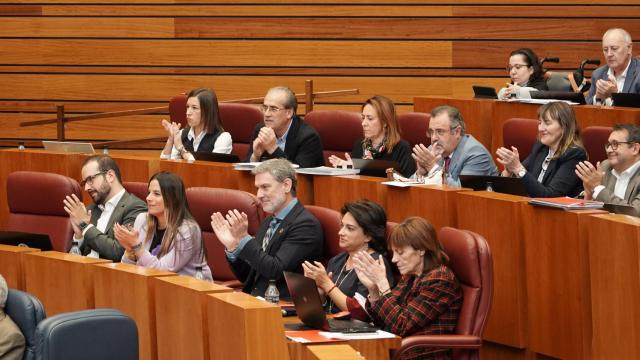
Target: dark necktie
(445, 170)
(269, 233)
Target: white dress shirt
(103, 220)
(622, 181)
(223, 145)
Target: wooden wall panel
(45, 27)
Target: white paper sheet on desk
(251, 165)
(402, 183)
(326, 170)
(380, 334)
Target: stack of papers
(326, 170)
(247, 166)
(567, 203)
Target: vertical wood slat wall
(123, 54)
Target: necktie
(269, 233)
(445, 170)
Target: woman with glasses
(526, 75)
(549, 170)
(381, 137)
(204, 133)
(362, 228)
(166, 237)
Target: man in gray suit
(617, 179)
(93, 227)
(620, 74)
(452, 150)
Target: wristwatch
(522, 172)
(82, 225)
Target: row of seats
(99, 334)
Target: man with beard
(284, 240)
(452, 151)
(93, 227)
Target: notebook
(68, 147)
(304, 294)
(215, 157)
(17, 238)
(500, 184)
(371, 167)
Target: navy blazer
(631, 83)
(303, 145)
(560, 178)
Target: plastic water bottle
(105, 150)
(199, 275)
(272, 294)
(489, 186)
(21, 146)
(75, 249)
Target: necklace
(339, 282)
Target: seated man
(12, 342)
(616, 180)
(283, 241)
(93, 227)
(283, 134)
(620, 74)
(452, 152)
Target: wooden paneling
(86, 27)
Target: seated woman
(204, 133)
(549, 170)
(428, 298)
(526, 75)
(363, 229)
(166, 237)
(381, 137)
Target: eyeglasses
(273, 109)
(614, 144)
(89, 179)
(517, 66)
(440, 132)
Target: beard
(99, 196)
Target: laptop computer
(216, 157)
(621, 209)
(559, 95)
(17, 238)
(626, 99)
(484, 92)
(68, 147)
(501, 184)
(374, 167)
(304, 294)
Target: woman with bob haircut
(204, 133)
(166, 237)
(428, 298)
(526, 75)
(381, 137)
(363, 228)
(549, 170)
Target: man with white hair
(12, 343)
(620, 74)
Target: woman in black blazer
(549, 170)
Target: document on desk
(379, 334)
(308, 336)
(402, 183)
(247, 166)
(327, 170)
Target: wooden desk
(557, 277)
(11, 266)
(202, 173)
(333, 191)
(615, 285)
(181, 316)
(244, 328)
(63, 282)
(136, 168)
(131, 289)
(435, 203)
(331, 352)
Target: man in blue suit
(620, 74)
(452, 151)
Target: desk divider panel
(11, 267)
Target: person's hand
(317, 272)
(258, 149)
(510, 159)
(268, 139)
(591, 177)
(126, 236)
(372, 270)
(511, 90)
(230, 230)
(425, 158)
(337, 162)
(604, 88)
(77, 211)
(177, 139)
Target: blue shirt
(282, 141)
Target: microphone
(550, 59)
(595, 62)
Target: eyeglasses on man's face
(614, 144)
(89, 179)
(272, 109)
(517, 67)
(440, 132)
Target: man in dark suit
(93, 227)
(617, 179)
(284, 240)
(620, 74)
(283, 134)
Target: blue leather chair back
(100, 334)
(26, 311)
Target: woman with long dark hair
(526, 75)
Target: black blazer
(560, 178)
(401, 154)
(298, 238)
(303, 145)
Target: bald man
(620, 74)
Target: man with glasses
(283, 134)
(617, 179)
(620, 74)
(93, 227)
(452, 151)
